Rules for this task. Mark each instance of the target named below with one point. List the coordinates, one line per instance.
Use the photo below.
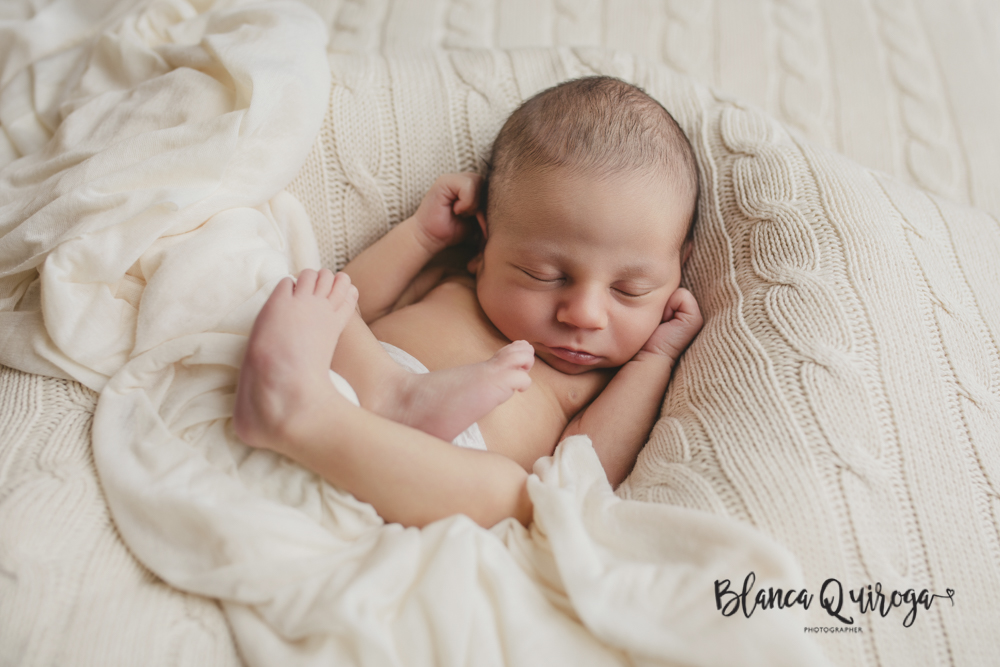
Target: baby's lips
(578, 357)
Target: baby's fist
(681, 323)
(440, 215)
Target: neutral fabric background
(909, 87)
(843, 396)
(902, 333)
(146, 236)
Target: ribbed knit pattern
(70, 591)
(909, 87)
(844, 395)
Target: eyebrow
(638, 270)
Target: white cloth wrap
(344, 387)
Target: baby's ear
(474, 264)
(477, 261)
(481, 217)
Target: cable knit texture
(909, 87)
(70, 591)
(844, 395)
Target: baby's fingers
(683, 306)
(464, 190)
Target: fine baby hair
(598, 125)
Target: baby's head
(587, 220)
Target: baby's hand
(681, 322)
(440, 215)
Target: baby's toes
(324, 282)
(519, 379)
(305, 284)
(351, 301)
(518, 354)
(343, 293)
(525, 354)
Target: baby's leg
(442, 403)
(410, 477)
(286, 402)
(289, 351)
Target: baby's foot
(445, 403)
(285, 368)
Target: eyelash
(552, 280)
(541, 280)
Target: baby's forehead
(644, 243)
(643, 202)
(637, 249)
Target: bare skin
(446, 402)
(288, 353)
(443, 403)
(560, 271)
(285, 402)
(447, 327)
(586, 270)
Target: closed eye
(634, 294)
(540, 278)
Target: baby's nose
(584, 308)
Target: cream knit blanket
(844, 396)
(139, 244)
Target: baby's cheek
(510, 312)
(639, 326)
(530, 316)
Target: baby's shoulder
(444, 328)
(446, 271)
(459, 285)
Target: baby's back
(447, 328)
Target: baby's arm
(383, 270)
(619, 420)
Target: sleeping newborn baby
(568, 321)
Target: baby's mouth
(578, 357)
